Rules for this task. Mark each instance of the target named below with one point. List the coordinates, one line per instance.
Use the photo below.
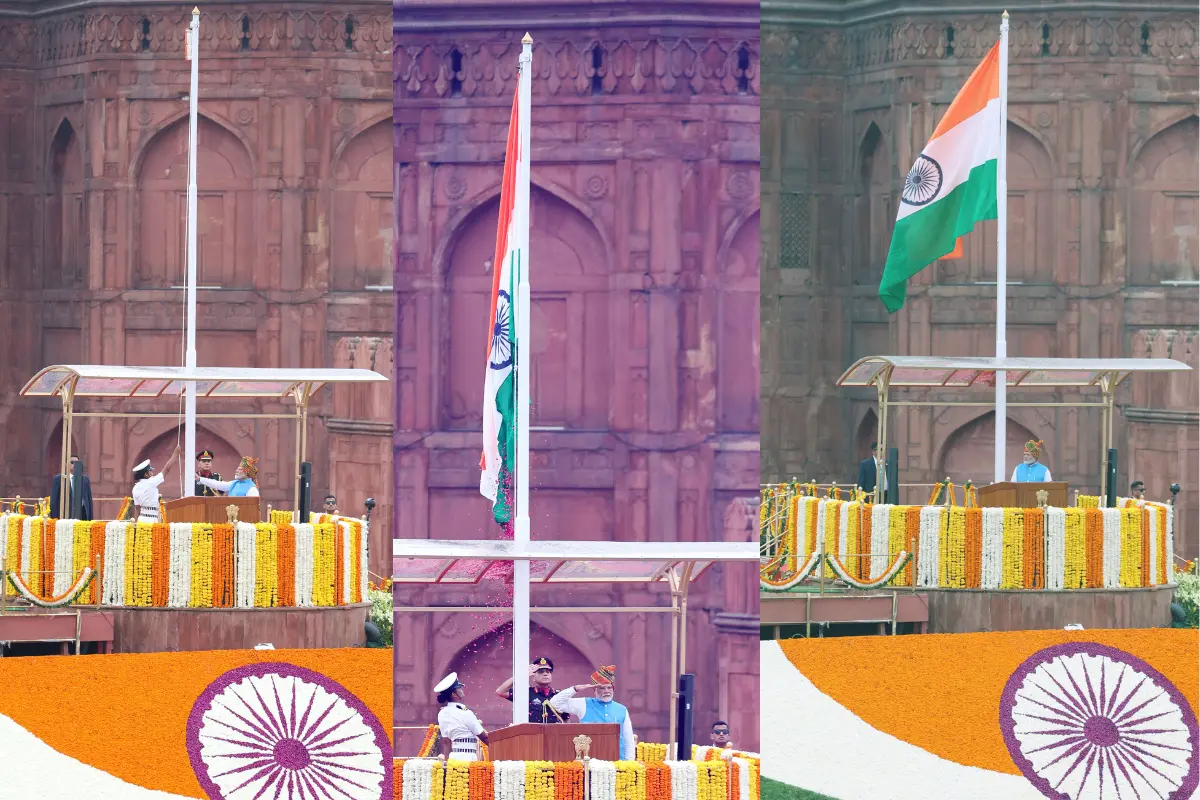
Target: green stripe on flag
(926, 235)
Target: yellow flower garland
(833, 510)
(1074, 549)
(81, 547)
(201, 595)
(539, 780)
(631, 781)
(651, 753)
(140, 590)
(457, 780)
(1012, 548)
(1131, 547)
(952, 550)
(897, 530)
(438, 783)
(711, 780)
(791, 537)
(324, 563)
(266, 566)
(33, 579)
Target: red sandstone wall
(294, 226)
(645, 252)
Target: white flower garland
(684, 781)
(805, 569)
(822, 511)
(880, 519)
(1169, 553)
(1112, 547)
(927, 545)
(4, 545)
(603, 775)
(72, 591)
(247, 537)
(808, 506)
(180, 586)
(64, 555)
(26, 540)
(364, 560)
(990, 570)
(743, 778)
(418, 780)
(114, 563)
(347, 563)
(508, 782)
(304, 565)
(1056, 548)
(890, 572)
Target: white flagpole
(1002, 257)
(188, 468)
(524, 366)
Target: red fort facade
(645, 279)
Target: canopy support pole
(1107, 385)
(64, 482)
(882, 383)
(673, 582)
(299, 452)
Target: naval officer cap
(142, 466)
(448, 683)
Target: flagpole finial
(1005, 14)
(196, 11)
(527, 39)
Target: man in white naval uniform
(459, 725)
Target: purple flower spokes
(276, 731)
(1084, 721)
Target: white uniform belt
(465, 741)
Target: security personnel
(458, 724)
(204, 470)
(541, 673)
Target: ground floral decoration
(275, 730)
(1084, 720)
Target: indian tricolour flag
(499, 388)
(952, 186)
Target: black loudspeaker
(1110, 480)
(76, 498)
(683, 716)
(892, 469)
(305, 491)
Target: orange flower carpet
(300, 724)
(1078, 715)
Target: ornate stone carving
(626, 67)
(596, 187)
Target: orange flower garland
(658, 782)
(224, 577)
(481, 781)
(398, 778)
(286, 560)
(44, 581)
(912, 536)
(339, 564)
(1093, 541)
(1033, 554)
(429, 743)
(160, 564)
(94, 593)
(1145, 538)
(973, 547)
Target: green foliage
(381, 612)
(1187, 594)
(774, 790)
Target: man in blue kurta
(599, 709)
(1030, 470)
(244, 483)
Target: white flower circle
(1088, 722)
(278, 731)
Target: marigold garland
(1012, 544)
(81, 583)
(429, 743)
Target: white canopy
(100, 380)
(965, 373)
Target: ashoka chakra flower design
(923, 183)
(279, 732)
(1084, 721)
(500, 355)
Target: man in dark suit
(85, 492)
(870, 469)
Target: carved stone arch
(138, 156)
(866, 431)
(65, 259)
(1020, 127)
(1163, 210)
(570, 314)
(226, 241)
(363, 219)
(968, 451)
(873, 205)
(739, 261)
(357, 130)
(1170, 121)
(53, 452)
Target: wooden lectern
(1022, 495)
(211, 509)
(535, 742)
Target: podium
(211, 509)
(536, 742)
(1022, 495)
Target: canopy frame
(153, 382)
(922, 372)
(678, 571)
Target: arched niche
(66, 231)
(1031, 235)
(873, 206)
(968, 452)
(738, 338)
(1163, 207)
(226, 240)
(569, 317)
(361, 235)
(158, 450)
(53, 453)
(486, 662)
(868, 432)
